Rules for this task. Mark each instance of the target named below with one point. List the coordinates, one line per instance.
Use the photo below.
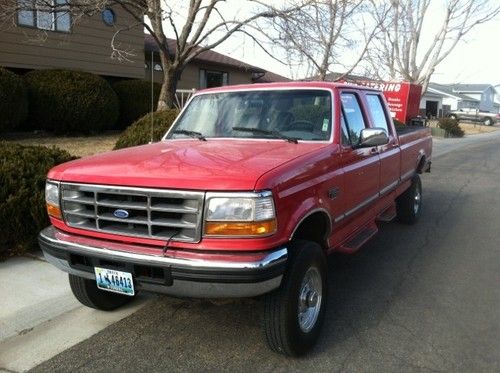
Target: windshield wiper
(267, 132)
(196, 135)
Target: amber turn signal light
(54, 211)
(253, 228)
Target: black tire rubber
(405, 203)
(280, 321)
(487, 121)
(88, 294)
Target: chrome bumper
(197, 278)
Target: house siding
(86, 47)
(190, 78)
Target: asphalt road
(415, 298)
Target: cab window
(377, 112)
(352, 116)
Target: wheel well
(314, 227)
(421, 165)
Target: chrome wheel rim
(417, 199)
(310, 298)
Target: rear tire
(488, 121)
(88, 294)
(294, 313)
(409, 204)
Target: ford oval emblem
(121, 214)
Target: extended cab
(474, 115)
(247, 193)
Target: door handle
(374, 151)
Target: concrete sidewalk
(39, 316)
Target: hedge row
(23, 170)
(63, 101)
(13, 101)
(71, 102)
(135, 100)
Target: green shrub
(23, 170)
(135, 100)
(398, 123)
(451, 127)
(69, 102)
(13, 101)
(139, 133)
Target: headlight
(52, 199)
(240, 214)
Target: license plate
(115, 281)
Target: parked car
(474, 115)
(248, 192)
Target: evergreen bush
(13, 101)
(23, 171)
(451, 127)
(135, 100)
(139, 133)
(70, 102)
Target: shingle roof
(269, 77)
(471, 87)
(448, 89)
(209, 56)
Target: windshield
(286, 114)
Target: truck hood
(215, 164)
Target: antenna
(152, 97)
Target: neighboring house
(48, 40)
(440, 99)
(496, 104)
(209, 69)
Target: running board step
(388, 215)
(355, 242)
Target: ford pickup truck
(247, 193)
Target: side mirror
(370, 137)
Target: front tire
(294, 313)
(88, 294)
(488, 121)
(409, 204)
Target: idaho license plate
(115, 281)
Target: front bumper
(216, 276)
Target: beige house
(209, 69)
(48, 40)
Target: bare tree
(197, 26)
(401, 51)
(323, 32)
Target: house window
(211, 78)
(51, 15)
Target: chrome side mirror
(370, 137)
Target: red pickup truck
(247, 193)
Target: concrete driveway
(417, 298)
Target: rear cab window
(377, 112)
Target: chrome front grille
(138, 212)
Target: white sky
(476, 59)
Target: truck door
(390, 160)
(361, 165)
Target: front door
(361, 165)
